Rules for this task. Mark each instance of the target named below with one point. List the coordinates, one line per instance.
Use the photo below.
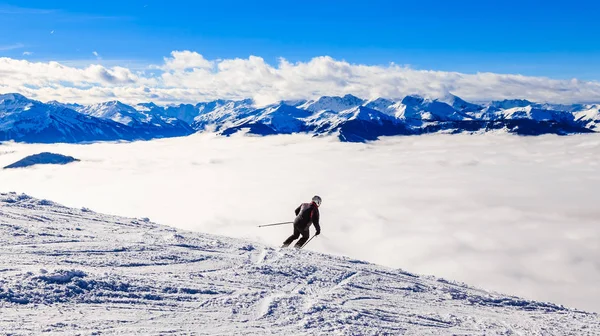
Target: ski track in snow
(68, 271)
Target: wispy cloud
(7, 9)
(11, 46)
(74, 17)
(27, 53)
(61, 15)
(137, 66)
(97, 55)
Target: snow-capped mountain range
(348, 117)
(74, 271)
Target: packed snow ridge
(70, 271)
(350, 118)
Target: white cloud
(27, 53)
(55, 77)
(95, 53)
(477, 208)
(186, 60)
(187, 76)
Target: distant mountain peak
(114, 103)
(413, 99)
(333, 103)
(14, 98)
(351, 117)
(351, 97)
(511, 103)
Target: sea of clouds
(188, 77)
(513, 214)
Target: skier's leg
(291, 238)
(301, 241)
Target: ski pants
(297, 232)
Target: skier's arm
(315, 219)
(297, 211)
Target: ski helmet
(317, 200)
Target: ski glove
(318, 233)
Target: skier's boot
(300, 242)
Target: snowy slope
(73, 107)
(382, 105)
(589, 115)
(421, 109)
(184, 112)
(222, 114)
(76, 271)
(537, 114)
(273, 119)
(116, 111)
(357, 124)
(459, 104)
(510, 103)
(332, 103)
(23, 119)
(146, 119)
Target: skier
(306, 214)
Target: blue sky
(538, 38)
(527, 37)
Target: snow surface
(27, 120)
(147, 115)
(221, 113)
(116, 111)
(514, 214)
(334, 104)
(589, 114)
(70, 271)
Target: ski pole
(308, 241)
(282, 223)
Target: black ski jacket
(306, 214)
